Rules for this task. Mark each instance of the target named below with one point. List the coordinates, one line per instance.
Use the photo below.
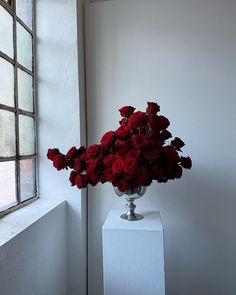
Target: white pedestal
(133, 255)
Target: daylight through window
(17, 105)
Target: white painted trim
(13, 224)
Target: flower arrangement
(134, 155)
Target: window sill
(16, 222)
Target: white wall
(34, 262)
(182, 53)
(60, 97)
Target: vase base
(132, 217)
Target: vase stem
(131, 215)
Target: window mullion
(16, 104)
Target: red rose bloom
(122, 185)
(186, 162)
(79, 165)
(163, 122)
(143, 176)
(170, 153)
(126, 111)
(107, 174)
(157, 171)
(108, 138)
(177, 143)
(81, 151)
(123, 145)
(165, 134)
(133, 153)
(72, 152)
(59, 161)
(123, 132)
(140, 141)
(153, 121)
(136, 119)
(81, 181)
(152, 153)
(117, 165)
(130, 164)
(108, 160)
(152, 108)
(51, 153)
(131, 156)
(93, 151)
(178, 171)
(93, 179)
(92, 165)
(72, 177)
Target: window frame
(10, 7)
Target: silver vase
(131, 196)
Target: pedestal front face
(133, 255)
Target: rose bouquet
(134, 155)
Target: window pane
(7, 185)
(6, 32)
(27, 179)
(6, 83)
(26, 134)
(24, 11)
(25, 91)
(7, 134)
(24, 47)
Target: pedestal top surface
(151, 221)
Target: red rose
(108, 160)
(136, 119)
(174, 171)
(51, 153)
(81, 150)
(123, 132)
(115, 178)
(126, 111)
(152, 108)
(178, 171)
(152, 153)
(186, 162)
(123, 121)
(93, 179)
(117, 165)
(81, 181)
(157, 171)
(177, 143)
(143, 176)
(59, 161)
(156, 142)
(133, 153)
(129, 176)
(108, 138)
(121, 153)
(163, 122)
(72, 152)
(107, 174)
(165, 134)
(140, 141)
(93, 151)
(72, 177)
(153, 120)
(122, 185)
(123, 145)
(130, 164)
(92, 165)
(79, 165)
(170, 153)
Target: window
(17, 105)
